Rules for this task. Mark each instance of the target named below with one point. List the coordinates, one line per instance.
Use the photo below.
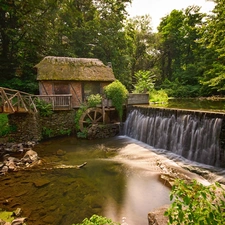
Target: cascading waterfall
(194, 138)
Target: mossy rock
(6, 216)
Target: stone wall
(137, 99)
(58, 124)
(25, 127)
(32, 127)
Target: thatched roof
(80, 69)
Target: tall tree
(213, 40)
(171, 35)
(141, 41)
(181, 51)
(22, 33)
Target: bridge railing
(16, 101)
(58, 102)
(12, 101)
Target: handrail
(58, 101)
(12, 101)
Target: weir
(196, 135)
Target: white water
(185, 135)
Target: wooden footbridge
(14, 101)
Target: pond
(120, 187)
(217, 105)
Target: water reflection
(142, 194)
(194, 104)
(58, 193)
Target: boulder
(30, 156)
(157, 217)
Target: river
(121, 180)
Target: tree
(181, 51)
(22, 35)
(141, 42)
(213, 40)
(30, 30)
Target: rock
(157, 217)
(13, 159)
(11, 165)
(17, 212)
(30, 156)
(2, 222)
(18, 221)
(49, 219)
(4, 169)
(60, 152)
(41, 182)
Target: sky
(160, 8)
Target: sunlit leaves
(194, 203)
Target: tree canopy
(186, 55)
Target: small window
(61, 88)
(90, 88)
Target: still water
(123, 187)
(194, 104)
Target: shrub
(4, 126)
(194, 203)
(44, 108)
(118, 93)
(97, 220)
(94, 100)
(78, 115)
(159, 96)
(145, 81)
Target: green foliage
(118, 93)
(4, 126)
(47, 132)
(194, 203)
(82, 134)
(6, 216)
(78, 115)
(44, 108)
(145, 81)
(159, 96)
(94, 100)
(177, 89)
(97, 220)
(65, 131)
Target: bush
(118, 93)
(145, 81)
(159, 96)
(44, 108)
(4, 126)
(179, 90)
(194, 203)
(97, 220)
(94, 100)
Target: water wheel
(91, 117)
